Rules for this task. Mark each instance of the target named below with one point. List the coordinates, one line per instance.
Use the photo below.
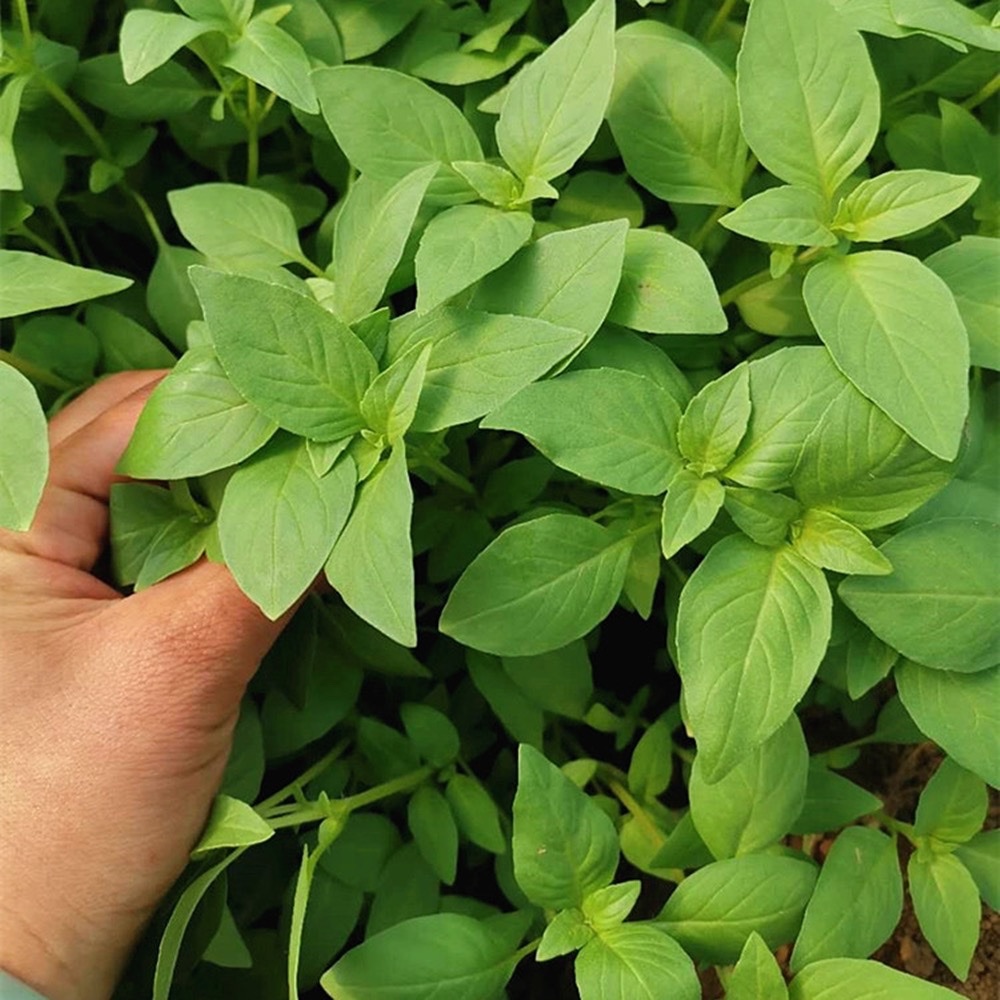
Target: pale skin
(116, 716)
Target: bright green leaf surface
(756, 975)
(953, 804)
(32, 282)
(689, 508)
(789, 215)
(24, 450)
(858, 979)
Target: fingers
(72, 519)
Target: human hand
(116, 716)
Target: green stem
(253, 138)
(983, 94)
(35, 373)
(78, 115)
(314, 771)
(698, 240)
(43, 244)
(22, 16)
(718, 22)
(896, 826)
(64, 231)
(448, 475)
(731, 294)
(312, 268)
(524, 952)
(147, 214)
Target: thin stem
(314, 771)
(78, 115)
(524, 952)
(312, 268)
(22, 16)
(718, 22)
(64, 231)
(43, 244)
(253, 139)
(147, 214)
(36, 373)
(698, 240)
(983, 94)
(896, 826)
(731, 294)
(681, 13)
(448, 475)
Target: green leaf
(431, 732)
(566, 932)
(24, 450)
(32, 282)
(628, 448)
(858, 464)
(665, 288)
(194, 423)
(761, 515)
(792, 216)
(520, 715)
(635, 961)
(366, 25)
(125, 345)
(651, 766)
(559, 681)
(390, 403)
(953, 805)
(674, 117)
(371, 565)
(869, 661)
(286, 354)
(270, 56)
(478, 360)
(756, 803)
(960, 712)
(946, 902)
(444, 956)
(597, 196)
(433, 827)
(476, 813)
(900, 202)
(567, 278)
(358, 857)
(756, 976)
(555, 106)
(971, 269)
(241, 226)
(245, 766)
(946, 18)
(858, 979)
(464, 244)
(714, 910)
(742, 682)
(981, 855)
(832, 543)
(149, 38)
(231, 14)
(689, 508)
(372, 229)
(170, 296)
(279, 521)
(609, 907)
(857, 902)
(938, 606)
(389, 124)
(539, 586)
(458, 69)
(715, 421)
(809, 99)
(894, 330)
(831, 802)
(564, 845)
(231, 823)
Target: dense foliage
(625, 571)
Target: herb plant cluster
(628, 372)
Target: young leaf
(431, 732)
(567, 278)
(832, 801)
(270, 56)
(953, 805)
(628, 448)
(149, 38)
(390, 124)
(444, 956)
(564, 846)
(24, 450)
(170, 296)
(946, 902)
(390, 403)
(279, 521)
(194, 423)
(960, 712)
(715, 421)
(464, 244)
(757, 802)
(476, 813)
(900, 202)
(651, 766)
(371, 565)
(369, 239)
(761, 515)
(665, 288)
(566, 932)
(689, 508)
(858, 979)
(674, 117)
(756, 976)
(539, 586)
(286, 354)
(555, 106)
(231, 824)
(792, 216)
(32, 282)
(937, 606)
(635, 961)
(243, 226)
(714, 910)
(981, 855)
(433, 827)
(971, 269)
(809, 98)
(742, 682)
(857, 902)
(894, 330)
(478, 360)
(831, 543)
